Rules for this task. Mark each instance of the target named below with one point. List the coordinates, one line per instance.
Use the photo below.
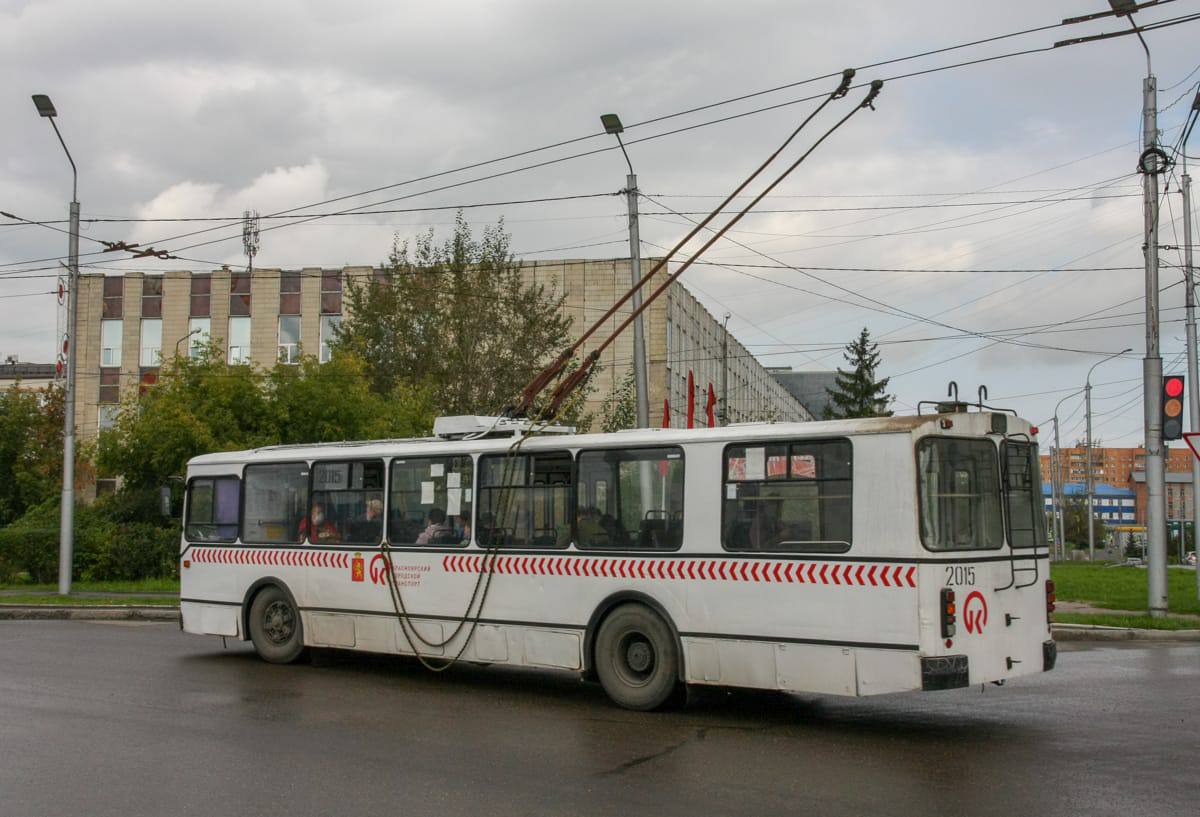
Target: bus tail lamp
(1050, 597)
(187, 563)
(949, 613)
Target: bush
(105, 549)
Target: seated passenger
(438, 531)
(367, 527)
(591, 532)
(463, 529)
(316, 528)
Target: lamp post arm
(74, 172)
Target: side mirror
(164, 501)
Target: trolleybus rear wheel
(275, 627)
(636, 658)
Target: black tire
(637, 659)
(275, 626)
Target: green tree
(201, 405)
(620, 409)
(31, 426)
(1075, 524)
(457, 316)
(857, 392)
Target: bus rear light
(948, 610)
(1050, 596)
(1033, 430)
(187, 563)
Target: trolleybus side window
(274, 503)
(349, 497)
(1023, 495)
(430, 501)
(644, 507)
(212, 509)
(525, 500)
(959, 490)
(789, 497)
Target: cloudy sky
(965, 179)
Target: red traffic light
(1173, 386)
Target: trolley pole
(1156, 504)
(1193, 385)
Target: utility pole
(66, 544)
(725, 370)
(612, 124)
(1193, 379)
(1156, 504)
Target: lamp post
(612, 124)
(1057, 498)
(66, 544)
(1087, 399)
(1190, 301)
(185, 337)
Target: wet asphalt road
(108, 718)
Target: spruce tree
(857, 393)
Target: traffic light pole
(1156, 500)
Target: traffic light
(1172, 407)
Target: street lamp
(1087, 397)
(185, 337)
(612, 125)
(45, 109)
(1056, 484)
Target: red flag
(691, 417)
(709, 405)
(666, 413)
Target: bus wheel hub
(639, 656)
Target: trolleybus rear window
(212, 509)
(630, 499)
(1023, 495)
(525, 500)
(431, 501)
(959, 489)
(788, 497)
(275, 503)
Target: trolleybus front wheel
(275, 626)
(636, 658)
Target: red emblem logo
(379, 569)
(975, 612)
(356, 568)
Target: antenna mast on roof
(250, 237)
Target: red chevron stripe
(908, 577)
(871, 576)
(883, 576)
(896, 575)
(858, 579)
(824, 568)
(754, 568)
(778, 571)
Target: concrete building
(1112, 505)
(811, 389)
(1179, 495)
(130, 324)
(1112, 465)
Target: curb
(1096, 632)
(111, 612)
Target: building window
(147, 377)
(202, 327)
(201, 297)
(110, 386)
(106, 487)
(239, 294)
(108, 416)
(289, 338)
(331, 292)
(110, 342)
(151, 342)
(329, 325)
(239, 340)
(289, 293)
(114, 292)
(152, 286)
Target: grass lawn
(140, 586)
(1141, 622)
(1121, 588)
(77, 601)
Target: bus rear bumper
(944, 672)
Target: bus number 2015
(960, 575)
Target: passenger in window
(463, 529)
(438, 531)
(316, 528)
(591, 531)
(369, 526)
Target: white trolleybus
(852, 557)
